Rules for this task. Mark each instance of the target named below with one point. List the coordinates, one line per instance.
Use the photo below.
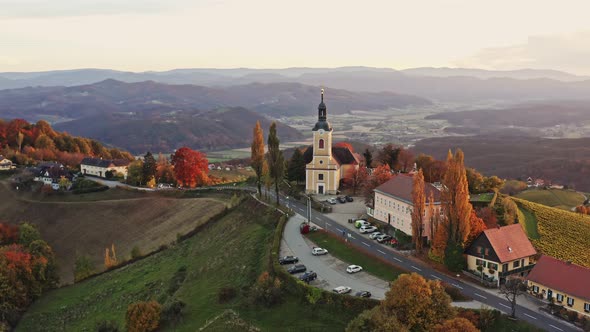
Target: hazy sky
(140, 35)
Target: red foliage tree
(489, 217)
(190, 167)
(477, 226)
(8, 234)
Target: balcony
(515, 271)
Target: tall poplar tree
(276, 161)
(419, 209)
(149, 167)
(258, 155)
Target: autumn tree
(135, 173)
(368, 158)
(143, 316)
(358, 178)
(514, 287)
(191, 167)
(476, 227)
(296, 167)
(418, 210)
(257, 155)
(276, 161)
(455, 199)
(149, 168)
(164, 170)
(380, 175)
(389, 155)
(433, 170)
(457, 324)
(405, 160)
(110, 257)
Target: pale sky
(140, 35)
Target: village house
(393, 204)
(326, 166)
(562, 282)
(52, 174)
(99, 167)
(500, 252)
(5, 164)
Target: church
(326, 165)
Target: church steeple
(322, 117)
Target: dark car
(363, 294)
(349, 199)
(297, 268)
(308, 276)
(341, 199)
(288, 260)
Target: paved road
(331, 271)
(536, 318)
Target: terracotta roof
(561, 276)
(509, 242)
(400, 186)
(342, 155)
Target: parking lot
(331, 271)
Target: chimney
(509, 249)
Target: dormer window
(321, 144)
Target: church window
(321, 143)
(320, 176)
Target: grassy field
(230, 252)
(562, 234)
(76, 225)
(562, 199)
(529, 223)
(341, 250)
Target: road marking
(457, 286)
(350, 236)
(397, 259)
(435, 277)
(416, 268)
(338, 229)
(328, 224)
(381, 252)
(530, 316)
(368, 245)
(483, 297)
(555, 327)
(502, 304)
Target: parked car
(297, 268)
(375, 235)
(384, 238)
(349, 199)
(363, 294)
(342, 289)
(308, 276)
(341, 199)
(331, 201)
(360, 223)
(318, 251)
(353, 269)
(368, 229)
(288, 260)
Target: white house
(99, 167)
(5, 164)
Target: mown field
(76, 225)
(562, 199)
(562, 234)
(230, 252)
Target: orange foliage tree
(455, 199)
(379, 176)
(143, 316)
(418, 210)
(257, 155)
(477, 226)
(457, 324)
(190, 167)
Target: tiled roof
(400, 186)
(509, 242)
(99, 162)
(562, 276)
(342, 155)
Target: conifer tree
(276, 161)
(149, 167)
(257, 155)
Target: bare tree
(512, 289)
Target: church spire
(322, 109)
(322, 123)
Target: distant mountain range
(160, 117)
(445, 84)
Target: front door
(321, 189)
(549, 294)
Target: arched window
(321, 143)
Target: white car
(368, 229)
(332, 201)
(375, 235)
(342, 289)
(319, 251)
(353, 269)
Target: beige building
(564, 282)
(393, 204)
(326, 165)
(99, 167)
(498, 253)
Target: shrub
(143, 316)
(454, 292)
(470, 315)
(83, 268)
(572, 316)
(172, 311)
(454, 257)
(226, 294)
(176, 280)
(267, 290)
(135, 252)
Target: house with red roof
(498, 253)
(393, 204)
(563, 282)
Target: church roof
(342, 155)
